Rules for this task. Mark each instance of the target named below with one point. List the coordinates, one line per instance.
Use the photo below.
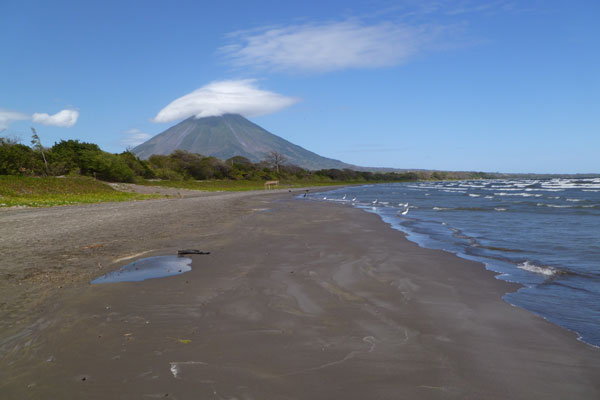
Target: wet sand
(297, 300)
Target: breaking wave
(542, 270)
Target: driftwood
(191, 251)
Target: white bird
(354, 199)
(374, 201)
(344, 198)
(404, 212)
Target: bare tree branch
(276, 159)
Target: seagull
(374, 201)
(344, 198)
(404, 212)
(354, 199)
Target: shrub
(18, 159)
(110, 167)
(139, 167)
(72, 155)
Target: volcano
(231, 135)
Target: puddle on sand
(148, 268)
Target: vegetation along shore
(39, 176)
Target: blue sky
(510, 86)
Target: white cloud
(225, 97)
(133, 137)
(328, 47)
(63, 118)
(7, 117)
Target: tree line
(72, 157)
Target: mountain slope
(227, 136)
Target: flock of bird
(376, 201)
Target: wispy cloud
(133, 137)
(7, 117)
(64, 118)
(329, 46)
(224, 97)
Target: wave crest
(542, 270)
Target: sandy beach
(297, 300)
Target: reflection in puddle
(148, 268)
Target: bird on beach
(374, 201)
(354, 199)
(344, 198)
(405, 211)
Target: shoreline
(488, 263)
(297, 299)
(497, 275)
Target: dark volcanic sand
(303, 300)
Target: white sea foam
(574, 200)
(543, 270)
(421, 187)
(542, 190)
(499, 209)
(454, 190)
(441, 208)
(474, 195)
(522, 194)
(572, 183)
(552, 205)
